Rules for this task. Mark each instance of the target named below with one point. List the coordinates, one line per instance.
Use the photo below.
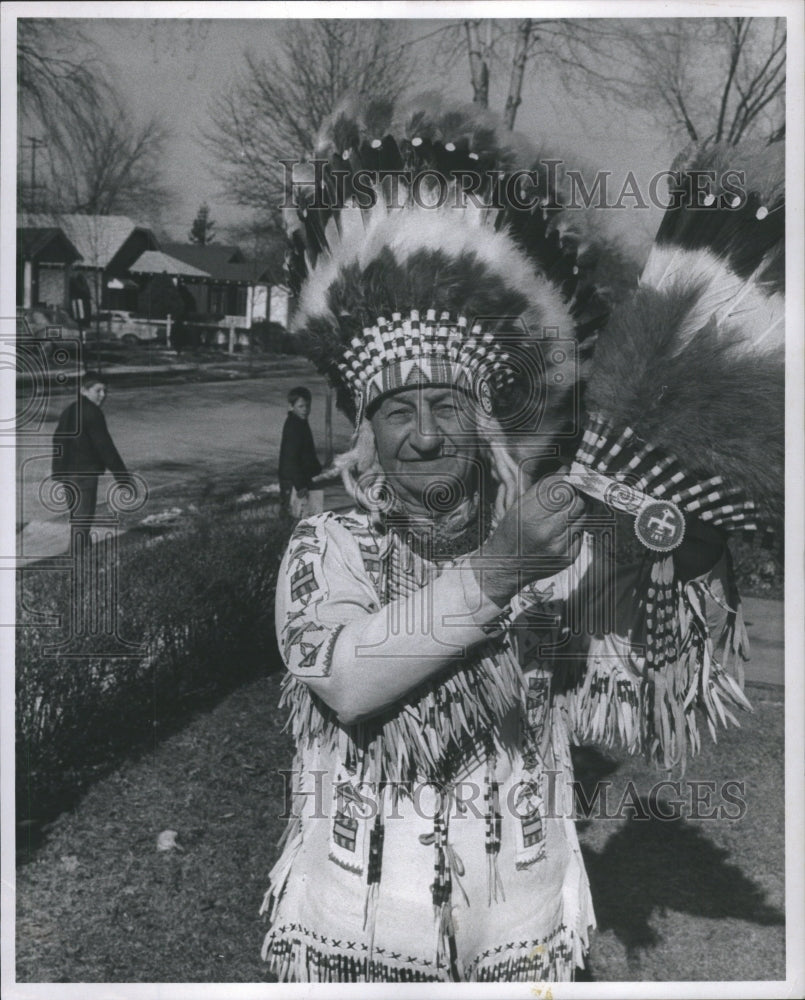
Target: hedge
(200, 602)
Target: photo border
(795, 539)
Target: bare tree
(710, 79)
(94, 156)
(106, 162)
(519, 59)
(276, 105)
(507, 46)
(480, 54)
(714, 79)
(499, 43)
(57, 69)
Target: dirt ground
(690, 898)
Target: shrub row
(199, 603)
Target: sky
(175, 68)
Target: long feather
(727, 246)
(431, 133)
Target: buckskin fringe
(289, 844)
(550, 959)
(620, 700)
(421, 737)
(298, 955)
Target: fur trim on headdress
(438, 256)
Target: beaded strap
(401, 353)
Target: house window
(218, 300)
(52, 284)
(241, 296)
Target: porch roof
(157, 262)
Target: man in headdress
(401, 693)
(412, 681)
(437, 672)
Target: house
(225, 292)
(45, 258)
(223, 284)
(107, 245)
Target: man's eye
(446, 412)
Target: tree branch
(513, 98)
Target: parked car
(37, 321)
(46, 334)
(119, 324)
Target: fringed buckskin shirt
(435, 841)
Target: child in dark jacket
(82, 450)
(298, 462)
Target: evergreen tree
(203, 228)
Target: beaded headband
(400, 354)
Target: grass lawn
(99, 903)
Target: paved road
(174, 434)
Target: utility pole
(328, 427)
(35, 144)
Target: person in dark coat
(298, 462)
(83, 449)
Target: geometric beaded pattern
(402, 353)
(623, 457)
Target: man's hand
(536, 538)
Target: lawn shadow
(650, 865)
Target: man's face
(96, 393)
(301, 408)
(423, 440)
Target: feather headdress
(430, 241)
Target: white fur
(741, 307)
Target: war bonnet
(431, 248)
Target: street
(174, 436)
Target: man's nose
(427, 436)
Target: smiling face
(424, 444)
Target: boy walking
(298, 463)
(83, 450)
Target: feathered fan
(685, 400)
(686, 395)
(685, 409)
